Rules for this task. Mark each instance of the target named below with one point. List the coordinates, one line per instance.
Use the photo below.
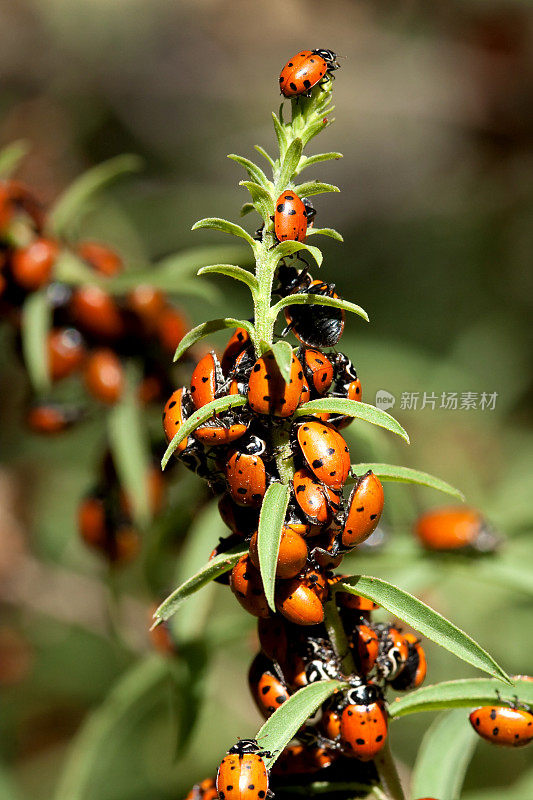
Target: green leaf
(36, 324)
(466, 693)
(224, 225)
(283, 355)
(288, 248)
(130, 448)
(202, 415)
(217, 566)
(207, 328)
(256, 173)
(315, 187)
(232, 271)
(290, 163)
(246, 208)
(443, 757)
(424, 619)
(281, 133)
(271, 522)
(263, 200)
(11, 155)
(317, 159)
(286, 720)
(330, 232)
(353, 408)
(303, 299)
(189, 673)
(390, 472)
(91, 758)
(264, 153)
(74, 201)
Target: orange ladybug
(266, 685)
(455, 528)
(101, 258)
(205, 790)
(238, 342)
(66, 352)
(413, 673)
(32, 266)
(206, 380)
(245, 471)
(363, 723)
(96, 313)
(364, 510)
(325, 451)
(366, 646)
(305, 70)
(292, 555)
(299, 601)
(247, 586)
(174, 415)
(171, 328)
(268, 393)
(104, 376)
(503, 725)
(290, 217)
(318, 369)
(318, 502)
(242, 774)
(51, 418)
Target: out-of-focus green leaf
(73, 202)
(290, 162)
(353, 408)
(466, 693)
(283, 354)
(424, 619)
(289, 247)
(331, 232)
(224, 225)
(207, 328)
(286, 720)
(202, 415)
(305, 299)
(189, 672)
(255, 172)
(443, 758)
(11, 155)
(396, 474)
(315, 187)
(232, 271)
(36, 324)
(271, 522)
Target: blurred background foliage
(435, 120)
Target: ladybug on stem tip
(305, 70)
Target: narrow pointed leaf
(290, 162)
(217, 566)
(11, 156)
(224, 225)
(286, 720)
(280, 131)
(390, 472)
(283, 355)
(317, 159)
(288, 248)
(315, 187)
(356, 409)
(264, 153)
(424, 619)
(207, 328)
(246, 208)
(271, 522)
(443, 757)
(255, 172)
(330, 232)
(231, 271)
(466, 693)
(186, 263)
(36, 324)
(304, 299)
(73, 202)
(262, 199)
(189, 673)
(199, 417)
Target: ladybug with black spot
(267, 685)
(305, 70)
(177, 409)
(365, 506)
(238, 342)
(318, 369)
(269, 393)
(313, 324)
(246, 473)
(290, 217)
(247, 586)
(317, 501)
(364, 723)
(205, 790)
(508, 726)
(222, 429)
(206, 380)
(393, 652)
(413, 673)
(324, 451)
(242, 774)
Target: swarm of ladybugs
(94, 335)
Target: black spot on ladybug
(172, 404)
(257, 367)
(266, 398)
(289, 64)
(307, 84)
(292, 212)
(495, 731)
(493, 713)
(362, 508)
(289, 197)
(373, 516)
(241, 490)
(477, 720)
(229, 788)
(330, 451)
(300, 488)
(205, 379)
(317, 463)
(260, 793)
(379, 738)
(359, 741)
(280, 699)
(350, 713)
(280, 208)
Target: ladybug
(101, 258)
(414, 671)
(218, 431)
(32, 266)
(266, 686)
(503, 725)
(239, 341)
(246, 585)
(273, 638)
(240, 372)
(268, 393)
(331, 724)
(318, 369)
(241, 521)
(147, 303)
(96, 313)
(246, 474)
(299, 601)
(355, 601)
(66, 352)
(323, 550)
(297, 759)
(317, 501)
(393, 652)
(290, 217)
(206, 380)
(104, 376)
(171, 328)
(205, 790)
(363, 729)
(306, 394)
(346, 385)
(175, 413)
(292, 555)
(455, 528)
(366, 648)
(50, 418)
(119, 544)
(242, 774)
(365, 505)
(315, 325)
(325, 451)
(305, 70)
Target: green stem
(283, 453)
(388, 774)
(338, 638)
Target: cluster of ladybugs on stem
(93, 336)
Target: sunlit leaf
(330, 232)
(396, 474)
(264, 153)
(466, 693)
(315, 187)
(231, 271)
(310, 161)
(224, 225)
(283, 354)
(207, 328)
(353, 408)
(246, 208)
(36, 324)
(263, 200)
(271, 522)
(290, 162)
(287, 248)
(280, 131)
(11, 156)
(256, 173)
(304, 299)
(423, 619)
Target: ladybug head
(245, 746)
(328, 55)
(363, 695)
(310, 210)
(254, 446)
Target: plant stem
(388, 774)
(338, 638)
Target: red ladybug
(298, 759)
(268, 393)
(104, 376)
(238, 342)
(242, 774)
(318, 369)
(175, 413)
(266, 686)
(65, 352)
(318, 502)
(171, 328)
(331, 724)
(364, 510)
(305, 70)
(241, 521)
(32, 266)
(292, 555)
(148, 303)
(206, 380)
(393, 652)
(363, 723)
(218, 431)
(290, 217)
(50, 418)
(325, 451)
(346, 384)
(97, 313)
(316, 325)
(455, 528)
(366, 646)
(101, 258)
(245, 471)
(414, 670)
(205, 790)
(299, 601)
(273, 638)
(246, 585)
(503, 725)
